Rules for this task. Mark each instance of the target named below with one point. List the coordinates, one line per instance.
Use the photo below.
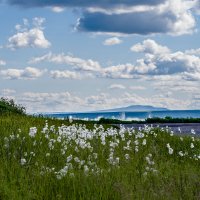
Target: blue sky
(90, 55)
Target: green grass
(146, 172)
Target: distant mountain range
(135, 108)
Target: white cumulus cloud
(27, 73)
(76, 63)
(112, 41)
(150, 46)
(158, 61)
(29, 37)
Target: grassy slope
(176, 177)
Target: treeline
(151, 120)
(8, 106)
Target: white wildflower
(136, 142)
(23, 161)
(170, 151)
(32, 131)
(144, 142)
(69, 158)
(171, 133)
(86, 169)
(127, 156)
(32, 153)
(76, 159)
(181, 153)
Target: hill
(135, 108)
(9, 106)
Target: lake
(128, 115)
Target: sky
(85, 55)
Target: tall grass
(57, 159)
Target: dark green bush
(8, 106)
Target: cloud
(197, 7)
(27, 73)
(8, 93)
(69, 102)
(57, 9)
(127, 16)
(2, 63)
(174, 63)
(89, 66)
(150, 46)
(33, 37)
(193, 52)
(164, 18)
(112, 41)
(77, 63)
(66, 74)
(50, 101)
(158, 62)
(81, 3)
(123, 71)
(117, 86)
(104, 101)
(176, 86)
(140, 23)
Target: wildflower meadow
(61, 159)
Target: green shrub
(8, 106)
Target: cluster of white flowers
(170, 150)
(95, 151)
(181, 153)
(32, 131)
(150, 163)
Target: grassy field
(57, 159)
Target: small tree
(9, 106)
